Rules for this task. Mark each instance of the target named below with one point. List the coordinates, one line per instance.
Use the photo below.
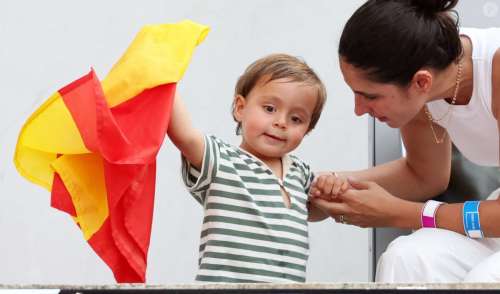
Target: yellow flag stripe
(83, 176)
(158, 55)
(49, 131)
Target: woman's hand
(368, 205)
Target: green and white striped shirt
(248, 233)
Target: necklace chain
(432, 120)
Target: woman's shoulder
(488, 35)
(463, 30)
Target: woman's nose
(360, 107)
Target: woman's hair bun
(434, 6)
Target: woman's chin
(392, 124)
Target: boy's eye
(296, 119)
(269, 108)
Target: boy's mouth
(275, 137)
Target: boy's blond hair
(281, 66)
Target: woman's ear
(239, 105)
(422, 81)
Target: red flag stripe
(128, 136)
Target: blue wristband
(472, 223)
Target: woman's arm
(188, 139)
(369, 205)
(372, 206)
(423, 173)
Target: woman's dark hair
(392, 39)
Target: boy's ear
(239, 105)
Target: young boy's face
(275, 116)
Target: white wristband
(428, 216)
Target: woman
(410, 67)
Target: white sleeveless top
(472, 127)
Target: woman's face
(388, 103)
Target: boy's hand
(328, 186)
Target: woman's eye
(269, 108)
(366, 96)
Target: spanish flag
(93, 144)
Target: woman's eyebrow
(365, 94)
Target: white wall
(47, 44)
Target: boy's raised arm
(189, 140)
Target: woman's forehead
(358, 80)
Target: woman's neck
(445, 81)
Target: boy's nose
(280, 122)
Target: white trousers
(439, 256)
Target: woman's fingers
(359, 185)
(366, 204)
(345, 186)
(351, 194)
(339, 211)
(331, 208)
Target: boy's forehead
(267, 83)
(268, 78)
(299, 98)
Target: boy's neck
(276, 165)
(273, 163)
